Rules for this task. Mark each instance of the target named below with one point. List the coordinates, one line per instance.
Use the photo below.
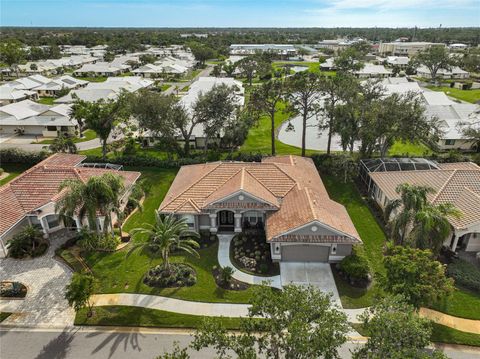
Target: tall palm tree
(412, 199)
(167, 233)
(419, 222)
(432, 227)
(85, 199)
(63, 144)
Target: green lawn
(443, 334)
(135, 316)
(87, 136)
(93, 79)
(3, 316)
(165, 87)
(370, 232)
(258, 139)
(472, 96)
(13, 170)
(118, 273)
(400, 149)
(312, 66)
(462, 303)
(46, 100)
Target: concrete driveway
(316, 274)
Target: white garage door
(305, 253)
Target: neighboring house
(456, 183)
(151, 70)
(453, 118)
(401, 48)
(100, 69)
(44, 67)
(284, 195)
(282, 50)
(371, 70)
(30, 118)
(328, 64)
(10, 95)
(28, 83)
(56, 86)
(454, 73)
(30, 198)
(106, 90)
(398, 61)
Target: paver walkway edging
(224, 261)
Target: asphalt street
(87, 342)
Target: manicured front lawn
(93, 79)
(118, 273)
(443, 334)
(472, 96)
(135, 316)
(13, 170)
(370, 232)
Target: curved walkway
(224, 261)
(462, 324)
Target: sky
(240, 13)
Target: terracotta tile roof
(459, 166)
(292, 183)
(461, 187)
(39, 185)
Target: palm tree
(63, 144)
(412, 199)
(85, 199)
(432, 226)
(419, 222)
(167, 233)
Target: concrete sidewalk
(172, 305)
(224, 261)
(462, 324)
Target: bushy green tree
(395, 331)
(434, 58)
(414, 274)
(63, 144)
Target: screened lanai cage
(370, 165)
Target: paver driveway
(45, 278)
(316, 274)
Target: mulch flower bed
(12, 290)
(250, 251)
(232, 285)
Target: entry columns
(213, 223)
(238, 222)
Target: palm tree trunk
(272, 118)
(104, 149)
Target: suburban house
(27, 83)
(106, 90)
(398, 61)
(282, 50)
(284, 195)
(456, 183)
(453, 120)
(10, 95)
(151, 70)
(30, 198)
(100, 69)
(328, 64)
(371, 70)
(55, 86)
(454, 73)
(30, 118)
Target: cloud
(397, 4)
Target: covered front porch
(230, 221)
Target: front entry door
(226, 218)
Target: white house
(54, 86)
(31, 118)
(9, 95)
(398, 61)
(371, 70)
(454, 73)
(101, 69)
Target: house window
(53, 221)
(253, 217)
(64, 129)
(51, 128)
(334, 249)
(449, 142)
(190, 220)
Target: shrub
(12, 290)
(226, 274)
(1, 171)
(28, 242)
(15, 155)
(465, 274)
(355, 267)
(178, 275)
(92, 241)
(339, 165)
(263, 268)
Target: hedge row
(465, 274)
(15, 155)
